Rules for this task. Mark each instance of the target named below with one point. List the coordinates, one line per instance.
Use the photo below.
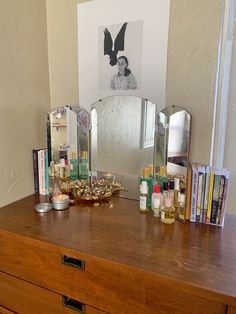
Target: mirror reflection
(122, 134)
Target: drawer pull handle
(73, 304)
(71, 261)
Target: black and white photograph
(120, 56)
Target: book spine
(188, 190)
(194, 195)
(199, 196)
(210, 191)
(220, 199)
(41, 170)
(224, 203)
(215, 198)
(35, 170)
(206, 191)
(46, 173)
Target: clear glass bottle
(172, 190)
(156, 207)
(181, 206)
(157, 195)
(149, 181)
(143, 197)
(165, 190)
(176, 193)
(168, 212)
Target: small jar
(168, 212)
(60, 201)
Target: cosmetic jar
(60, 201)
(43, 207)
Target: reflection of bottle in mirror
(181, 206)
(51, 170)
(73, 167)
(67, 168)
(157, 195)
(143, 197)
(162, 177)
(62, 168)
(83, 165)
(168, 212)
(176, 193)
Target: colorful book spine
(215, 196)
(193, 210)
(225, 196)
(41, 171)
(35, 170)
(220, 199)
(210, 192)
(46, 173)
(206, 192)
(188, 193)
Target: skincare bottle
(168, 212)
(157, 195)
(165, 190)
(143, 197)
(83, 165)
(73, 167)
(156, 207)
(181, 206)
(149, 181)
(176, 193)
(172, 190)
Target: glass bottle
(157, 195)
(73, 167)
(83, 165)
(156, 207)
(181, 206)
(168, 212)
(143, 197)
(176, 193)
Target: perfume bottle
(149, 181)
(172, 190)
(143, 197)
(83, 165)
(156, 207)
(62, 168)
(168, 212)
(157, 195)
(73, 167)
(181, 206)
(165, 190)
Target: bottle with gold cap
(83, 165)
(149, 180)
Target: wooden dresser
(113, 259)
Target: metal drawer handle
(73, 304)
(71, 261)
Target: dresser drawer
(103, 284)
(22, 297)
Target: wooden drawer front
(109, 286)
(22, 297)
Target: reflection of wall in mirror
(118, 136)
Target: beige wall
(62, 51)
(192, 57)
(230, 144)
(24, 93)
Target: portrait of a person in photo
(124, 78)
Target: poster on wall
(122, 49)
(120, 56)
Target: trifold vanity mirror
(122, 136)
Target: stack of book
(208, 190)
(40, 168)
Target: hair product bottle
(168, 212)
(143, 197)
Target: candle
(60, 201)
(109, 177)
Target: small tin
(60, 202)
(43, 207)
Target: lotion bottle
(143, 197)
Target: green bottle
(83, 165)
(73, 167)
